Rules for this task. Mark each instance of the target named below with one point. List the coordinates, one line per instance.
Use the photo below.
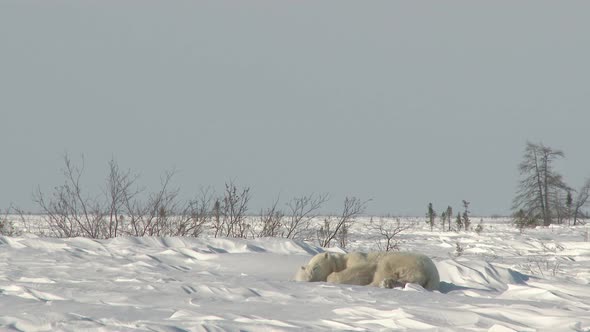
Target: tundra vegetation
(124, 208)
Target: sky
(398, 102)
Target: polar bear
(320, 266)
(382, 269)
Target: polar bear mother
(381, 269)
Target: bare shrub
(231, 212)
(123, 209)
(120, 190)
(154, 216)
(193, 218)
(301, 211)
(388, 231)
(342, 235)
(581, 201)
(479, 228)
(190, 219)
(161, 213)
(6, 224)
(547, 262)
(541, 265)
(458, 249)
(522, 220)
(271, 221)
(338, 226)
(69, 212)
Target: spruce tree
(431, 215)
(449, 216)
(466, 220)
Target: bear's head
(320, 266)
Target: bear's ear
(326, 254)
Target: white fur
(381, 269)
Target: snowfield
(502, 281)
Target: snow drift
(187, 284)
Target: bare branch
(230, 210)
(388, 231)
(68, 212)
(353, 207)
(301, 211)
(271, 221)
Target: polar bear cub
(382, 269)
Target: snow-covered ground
(502, 281)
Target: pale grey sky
(403, 102)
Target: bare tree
(353, 207)
(301, 211)
(581, 201)
(538, 181)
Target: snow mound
(478, 275)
